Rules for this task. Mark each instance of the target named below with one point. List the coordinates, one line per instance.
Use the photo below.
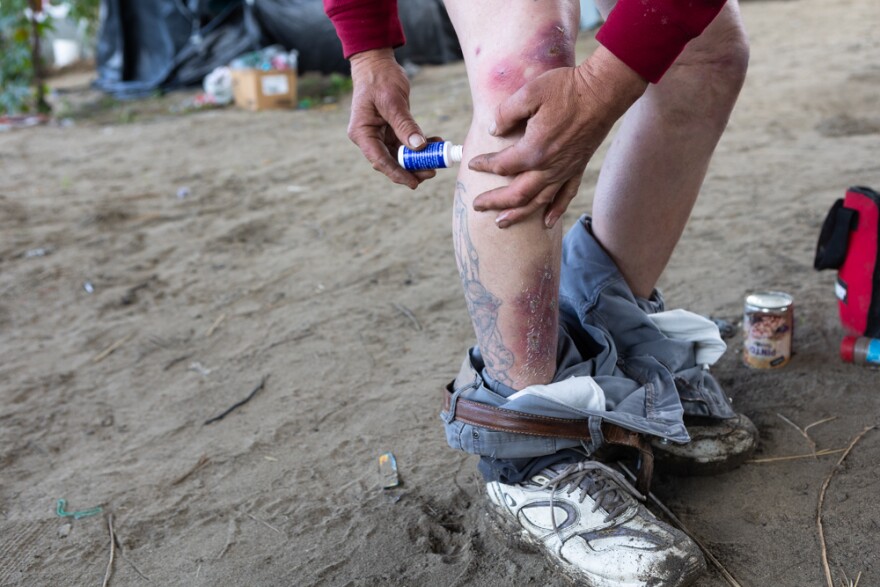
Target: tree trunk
(40, 104)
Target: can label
(767, 339)
(872, 353)
(431, 157)
(768, 324)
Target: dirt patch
(288, 256)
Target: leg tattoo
(482, 304)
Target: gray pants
(650, 380)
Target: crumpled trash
(218, 85)
(388, 476)
(272, 58)
(38, 252)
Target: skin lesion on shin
(483, 305)
(538, 308)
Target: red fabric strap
(649, 35)
(365, 24)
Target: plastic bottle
(860, 349)
(434, 156)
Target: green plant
(339, 85)
(16, 70)
(87, 10)
(21, 68)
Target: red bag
(850, 243)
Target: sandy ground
(291, 259)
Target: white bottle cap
(455, 153)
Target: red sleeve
(365, 24)
(649, 35)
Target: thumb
(404, 126)
(512, 112)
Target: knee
(727, 60)
(721, 54)
(498, 74)
(702, 87)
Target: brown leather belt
(502, 420)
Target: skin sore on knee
(550, 48)
(536, 309)
(554, 47)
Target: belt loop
(449, 416)
(597, 439)
(645, 466)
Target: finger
(512, 112)
(392, 143)
(396, 113)
(537, 205)
(377, 154)
(519, 193)
(512, 160)
(424, 174)
(563, 199)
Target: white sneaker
(585, 519)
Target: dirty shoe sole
(716, 446)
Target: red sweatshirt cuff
(362, 26)
(649, 35)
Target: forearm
(614, 83)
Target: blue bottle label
(431, 157)
(872, 353)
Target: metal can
(768, 325)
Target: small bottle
(860, 349)
(433, 156)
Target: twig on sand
(295, 337)
(822, 453)
(408, 313)
(816, 423)
(175, 361)
(109, 571)
(134, 566)
(203, 460)
(214, 326)
(126, 559)
(231, 529)
(240, 403)
(856, 438)
(666, 511)
(803, 431)
(847, 582)
(111, 349)
(263, 522)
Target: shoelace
(608, 488)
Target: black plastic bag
(302, 25)
(163, 44)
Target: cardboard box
(255, 89)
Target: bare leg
(511, 276)
(654, 169)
